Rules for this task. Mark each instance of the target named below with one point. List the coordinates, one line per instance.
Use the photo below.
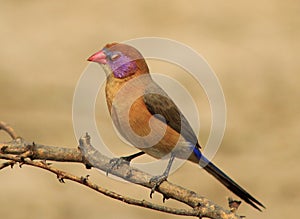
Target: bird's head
(122, 60)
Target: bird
(147, 117)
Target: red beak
(98, 57)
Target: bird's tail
(226, 181)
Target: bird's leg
(157, 180)
(116, 162)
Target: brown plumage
(151, 121)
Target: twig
(8, 129)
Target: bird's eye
(114, 56)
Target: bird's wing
(162, 107)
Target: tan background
(253, 48)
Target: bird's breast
(134, 121)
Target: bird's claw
(116, 163)
(156, 181)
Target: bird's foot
(156, 181)
(116, 163)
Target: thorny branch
(32, 154)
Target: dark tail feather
(229, 183)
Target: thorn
(12, 165)
(3, 149)
(45, 162)
(21, 164)
(88, 166)
(165, 198)
(22, 159)
(197, 208)
(88, 138)
(233, 204)
(84, 179)
(60, 178)
(152, 191)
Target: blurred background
(252, 47)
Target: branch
(9, 130)
(24, 153)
